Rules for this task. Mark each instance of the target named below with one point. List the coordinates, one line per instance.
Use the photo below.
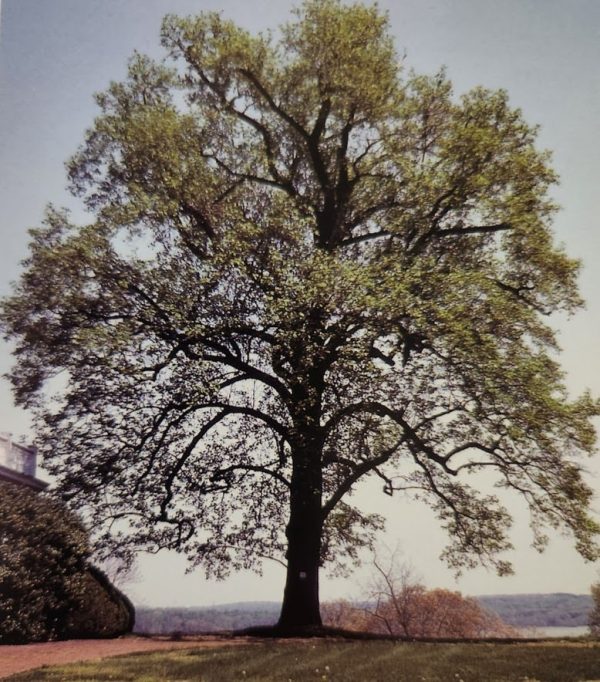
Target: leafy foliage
(43, 552)
(46, 588)
(304, 267)
(103, 611)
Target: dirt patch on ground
(16, 658)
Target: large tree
(303, 268)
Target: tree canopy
(304, 266)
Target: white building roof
(18, 463)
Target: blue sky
(54, 54)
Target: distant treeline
(520, 610)
(541, 610)
(162, 621)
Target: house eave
(13, 476)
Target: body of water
(579, 631)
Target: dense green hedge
(48, 590)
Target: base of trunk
(290, 631)
(300, 609)
(275, 631)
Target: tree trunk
(300, 610)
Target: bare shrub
(398, 604)
(403, 606)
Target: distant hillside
(540, 610)
(195, 619)
(521, 610)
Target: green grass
(344, 662)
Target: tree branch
(217, 475)
(366, 237)
(518, 293)
(473, 229)
(290, 120)
(183, 459)
(359, 469)
(397, 416)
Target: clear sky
(54, 54)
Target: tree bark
(300, 609)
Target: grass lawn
(344, 662)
